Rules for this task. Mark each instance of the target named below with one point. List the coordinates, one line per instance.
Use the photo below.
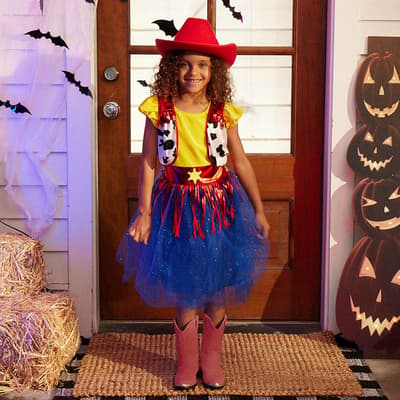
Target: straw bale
(38, 336)
(22, 265)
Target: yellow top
(192, 142)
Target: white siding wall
(69, 244)
(17, 73)
(353, 22)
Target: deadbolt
(111, 110)
(111, 73)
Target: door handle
(111, 109)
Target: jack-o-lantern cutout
(376, 207)
(375, 153)
(378, 89)
(368, 299)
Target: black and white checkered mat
(371, 388)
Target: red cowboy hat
(196, 34)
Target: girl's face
(194, 73)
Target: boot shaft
(187, 354)
(187, 338)
(212, 336)
(211, 348)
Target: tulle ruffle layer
(217, 255)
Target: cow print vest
(168, 133)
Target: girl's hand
(263, 225)
(140, 229)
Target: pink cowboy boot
(187, 354)
(210, 360)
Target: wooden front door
(290, 181)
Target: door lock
(111, 73)
(111, 109)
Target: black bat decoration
(83, 89)
(168, 27)
(16, 108)
(56, 40)
(236, 14)
(143, 83)
(90, 1)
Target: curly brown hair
(219, 89)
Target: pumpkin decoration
(378, 89)
(368, 299)
(376, 207)
(375, 153)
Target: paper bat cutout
(56, 40)
(143, 83)
(16, 108)
(168, 27)
(236, 14)
(83, 89)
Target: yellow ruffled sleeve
(232, 114)
(149, 107)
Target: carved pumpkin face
(375, 153)
(376, 206)
(378, 89)
(368, 299)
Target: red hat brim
(226, 52)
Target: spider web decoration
(34, 120)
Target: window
(262, 72)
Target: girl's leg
(187, 349)
(216, 312)
(213, 332)
(184, 316)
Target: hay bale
(22, 265)
(38, 337)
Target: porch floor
(385, 371)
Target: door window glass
(262, 72)
(265, 23)
(143, 12)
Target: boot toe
(213, 379)
(214, 385)
(184, 386)
(185, 382)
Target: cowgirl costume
(204, 245)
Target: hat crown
(196, 34)
(196, 30)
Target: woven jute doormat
(136, 364)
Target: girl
(199, 235)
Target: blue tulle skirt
(204, 246)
